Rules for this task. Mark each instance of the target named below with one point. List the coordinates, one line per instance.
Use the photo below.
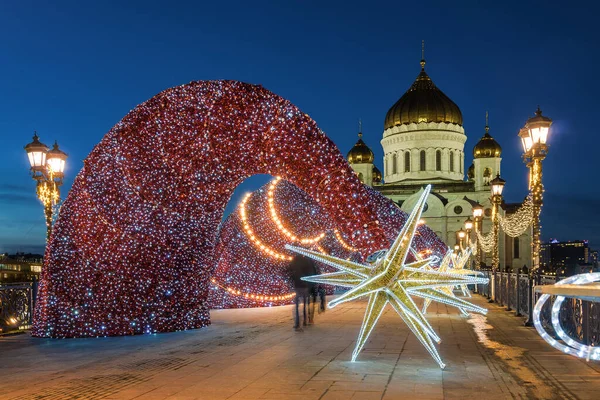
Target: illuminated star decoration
(458, 267)
(391, 280)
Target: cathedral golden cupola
(360, 153)
(423, 102)
(487, 147)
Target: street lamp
(497, 185)
(533, 138)
(468, 229)
(477, 216)
(48, 170)
(461, 237)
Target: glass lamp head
(36, 152)
(477, 211)
(497, 185)
(56, 160)
(468, 224)
(525, 139)
(461, 234)
(538, 127)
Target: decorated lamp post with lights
(47, 169)
(469, 241)
(533, 138)
(497, 186)
(477, 217)
(461, 237)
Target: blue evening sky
(73, 69)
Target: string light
(280, 224)
(254, 296)
(341, 240)
(251, 235)
(514, 225)
(486, 243)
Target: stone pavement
(255, 354)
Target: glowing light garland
(132, 250)
(571, 346)
(516, 224)
(280, 224)
(391, 281)
(486, 242)
(253, 296)
(341, 240)
(265, 249)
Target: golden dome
(360, 153)
(376, 175)
(423, 102)
(487, 147)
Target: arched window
(460, 162)
(407, 161)
(451, 161)
(361, 178)
(438, 160)
(422, 160)
(516, 248)
(395, 163)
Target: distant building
(20, 267)
(565, 256)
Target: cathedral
(423, 143)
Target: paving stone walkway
(254, 354)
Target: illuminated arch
(132, 249)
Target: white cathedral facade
(423, 143)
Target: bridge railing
(580, 319)
(17, 302)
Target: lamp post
(497, 185)
(461, 236)
(468, 229)
(477, 216)
(533, 138)
(48, 170)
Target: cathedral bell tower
(361, 158)
(486, 163)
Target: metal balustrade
(17, 302)
(580, 319)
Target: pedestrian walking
(299, 267)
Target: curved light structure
(570, 345)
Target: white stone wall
(364, 172)
(492, 164)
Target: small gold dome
(423, 102)
(487, 147)
(376, 175)
(360, 153)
